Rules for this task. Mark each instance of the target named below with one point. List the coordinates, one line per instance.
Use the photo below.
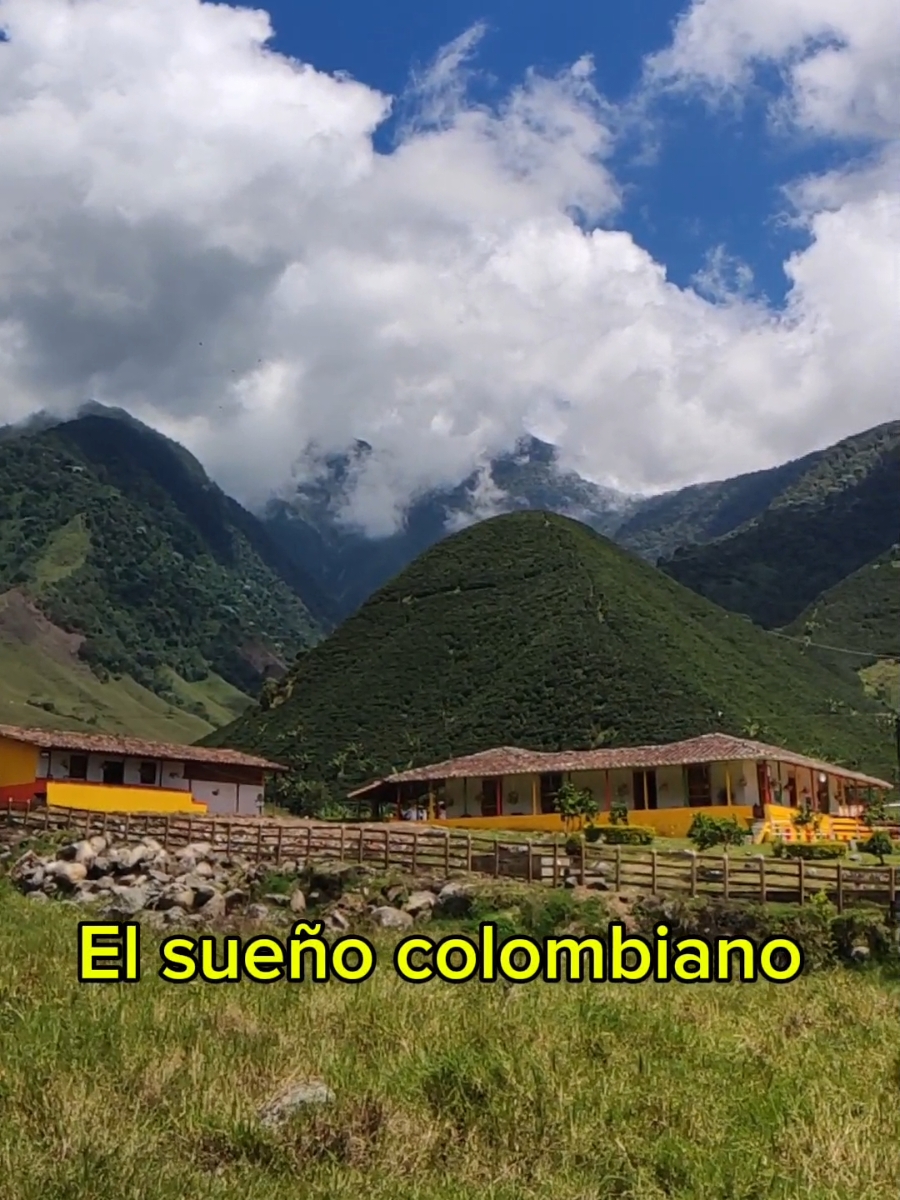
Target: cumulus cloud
(200, 230)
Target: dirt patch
(23, 624)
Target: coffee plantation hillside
(114, 534)
(839, 514)
(531, 629)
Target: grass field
(149, 1091)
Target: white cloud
(197, 229)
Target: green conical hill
(532, 630)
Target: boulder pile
(196, 884)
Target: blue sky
(716, 178)
(208, 218)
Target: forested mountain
(531, 629)
(114, 534)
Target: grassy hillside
(117, 535)
(839, 514)
(533, 630)
(862, 614)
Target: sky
(663, 235)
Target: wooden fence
(426, 850)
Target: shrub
(708, 831)
(618, 813)
(879, 845)
(810, 850)
(627, 835)
(573, 803)
(574, 846)
(592, 834)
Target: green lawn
(149, 1091)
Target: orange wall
(101, 797)
(667, 822)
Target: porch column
(499, 795)
(535, 807)
(727, 787)
(399, 804)
(607, 787)
(430, 804)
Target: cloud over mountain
(198, 229)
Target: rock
(183, 898)
(391, 918)
(66, 874)
(100, 866)
(126, 858)
(297, 1096)
(297, 902)
(396, 893)
(128, 901)
(174, 916)
(215, 907)
(333, 879)
(336, 922)
(279, 899)
(420, 903)
(860, 954)
(83, 852)
(234, 899)
(42, 897)
(196, 850)
(454, 899)
(99, 842)
(256, 912)
(203, 870)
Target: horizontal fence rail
(427, 850)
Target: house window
(78, 766)
(148, 773)
(550, 785)
(114, 772)
(699, 788)
(43, 771)
(644, 789)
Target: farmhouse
(662, 786)
(123, 774)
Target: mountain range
(136, 595)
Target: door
(699, 788)
(490, 797)
(643, 789)
(550, 785)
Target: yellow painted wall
(18, 762)
(100, 797)
(667, 822)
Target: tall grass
(149, 1091)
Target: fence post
(340, 844)
(693, 874)
(496, 858)
(362, 834)
(469, 852)
(259, 842)
(801, 879)
(618, 867)
(725, 878)
(762, 878)
(556, 864)
(278, 844)
(415, 851)
(227, 839)
(581, 863)
(840, 887)
(387, 848)
(28, 811)
(531, 862)
(447, 851)
(892, 885)
(128, 826)
(308, 844)
(652, 872)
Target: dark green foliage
(860, 613)
(836, 517)
(572, 802)
(166, 571)
(618, 813)
(706, 832)
(879, 845)
(811, 925)
(810, 850)
(628, 835)
(532, 630)
(592, 833)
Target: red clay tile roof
(130, 747)
(710, 747)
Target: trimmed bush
(627, 835)
(810, 850)
(706, 832)
(592, 834)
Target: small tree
(706, 832)
(574, 803)
(879, 845)
(875, 810)
(618, 813)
